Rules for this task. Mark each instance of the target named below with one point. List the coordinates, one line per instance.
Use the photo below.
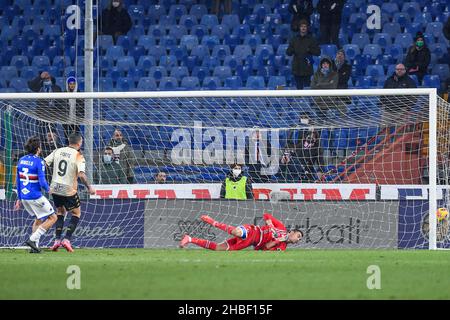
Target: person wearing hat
(303, 47)
(236, 185)
(325, 77)
(418, 57)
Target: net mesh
(349, 171)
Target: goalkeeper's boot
(185, 241)
(32, 245)
(66, 244)
(56, 245)
(208, 219)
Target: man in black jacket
(418, 57)
(300, 10)
(115, 20)
(446, 31)
(303, 47)
(399, 80)
(343, 68)
(392, 109)
(330, 20)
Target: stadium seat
(156, 11)
(190, 83)
(41, 61)
(361, 39)
(351, 51)
(125, 42)
(115, 52)
(9, 72)
(252, 20)
(53, 31)
(146, 41)
(190, 62)
(391, 28)
(441, 70)
(158, 72)
(156, 31)
(199, 31)
(390, 8)
(29, 72)
(328, 50)
(189, 41)
(261, 10)
(200, 72)
(230, 20)
(222, 72)
(221, 51)
(363, 82)
(146, 62)
(177, 31)
(255, 83)
(438, 49)
(211, 83)
(264, 51)
(157, 51)
(189, 21)
(396, 51)
(423, 18)
(168, 61)
(125, 84)
(376, 71)
(276, 81)
(220, 31)
(125, 63)
(198, 10)
(374, 50)
(166, 20)
(233, 83)
(209, 20)
(411, 8)
(434, 28)
(284, 30)
(147, 84)
(231, 40)
(179, 72)
(382, 39)
(210, 41)
(232, 62)
(19, 84)
(405, 40)
(168, 83)
(432, 81)
(358, 20)
(105, 41)
(61, 61)
(241, 52)
(403, 19)
(168, 41)
(264, 31)
(241, 31)
(177, 10)
(201, 51)
(19, 61)
(252, 40)
(136, 13)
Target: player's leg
(59, 226)
(44, 212)
(74, 219)
(222, 226)
(36, 224)
(211, 245)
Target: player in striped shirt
(272, 236)
(30, 182)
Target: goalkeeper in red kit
(272, 236)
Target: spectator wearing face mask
(123, 154)
(111, 172)
(115, 20)
(236, 185)
(325, 78)
(418, 58)
(46, 109)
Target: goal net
(350, 171)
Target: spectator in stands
(446, 31)
(75, 109)
(300, 10)
(343, 68)
(236, 185)
(330, 20)
(399, 79)
(110, 171)
(325, 76)
(227, 7)
(418, 57)
(160, 177)
(123, 154)
(115, 20)
(303, 47)
(257, 156)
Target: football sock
(59, 227)
(37, 234)
(204, 243)
(223, 226)
(72, 226)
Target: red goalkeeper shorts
(251, 237)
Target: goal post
(381, 176)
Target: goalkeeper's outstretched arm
(272, 221)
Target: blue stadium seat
(189, 41)
(190, 62)
(41, 61)
(156, 11)
(441, 70)
(439, 49)
(125, 42)
(272, 20)
(209, 20)
(231, 40)
(374, 50)
(158, 72)
(115, 52)
(264, 31)
(231, 20)
(351, 51)
(392, 28)
(284, 30)
(252, 20)
(434, 28)
(241, 52)
(70, 71)
(432, 81)
(177, 31)
(210, 41)
(8, 72)
(105, 41)
(220, 31)
(168, 61)
(211, 83)
(358, 20)
(53, 31)
(188, 21)
(198, 10)
(29, 72)
(200, 72)
(11, 11)
(105, 84)
(222, 72)
(18, 22)
(8, 33)
(136, 13)
(261, 10)
(157, 31)
(146, 62)
(168, 41)
(221, 51)
(61, 61)
(125, 84)
(136, 52)
(255, 83)
(232, 62)
(168, 83)
(147, 84)
(363, 82)
(396, 51)
(361, 39)
(190, 83)
(416, 80)
(180, 52)
(19, 84)
(201, 51)
(423, 18)
(146, 41)
(177, 10)
(199, 31)
(411, 8)
(402, 18)
(179, 72)
(125, 63)
(264, 51)
(19, 61)
(241, 31)
(275, 81)
(233, 83)
(405, 40)
(328, 50)
(166, 20)
(157, 51)
(376, 71)
(390, 8)
(382, 39)
(252, 40)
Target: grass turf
(201, 274)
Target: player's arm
(41, 176)
(275, 245)
(81, 165)
(273, 222)
(50, 158)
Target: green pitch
(201, 274)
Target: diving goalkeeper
(272, 236)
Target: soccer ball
(442, 213)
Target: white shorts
(40, 208)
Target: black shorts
(69, 203)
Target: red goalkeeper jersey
(276, 232)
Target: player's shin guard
(59, 225)
(204, 243)
(72, 226)
(37, 235)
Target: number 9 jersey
(67, 163)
